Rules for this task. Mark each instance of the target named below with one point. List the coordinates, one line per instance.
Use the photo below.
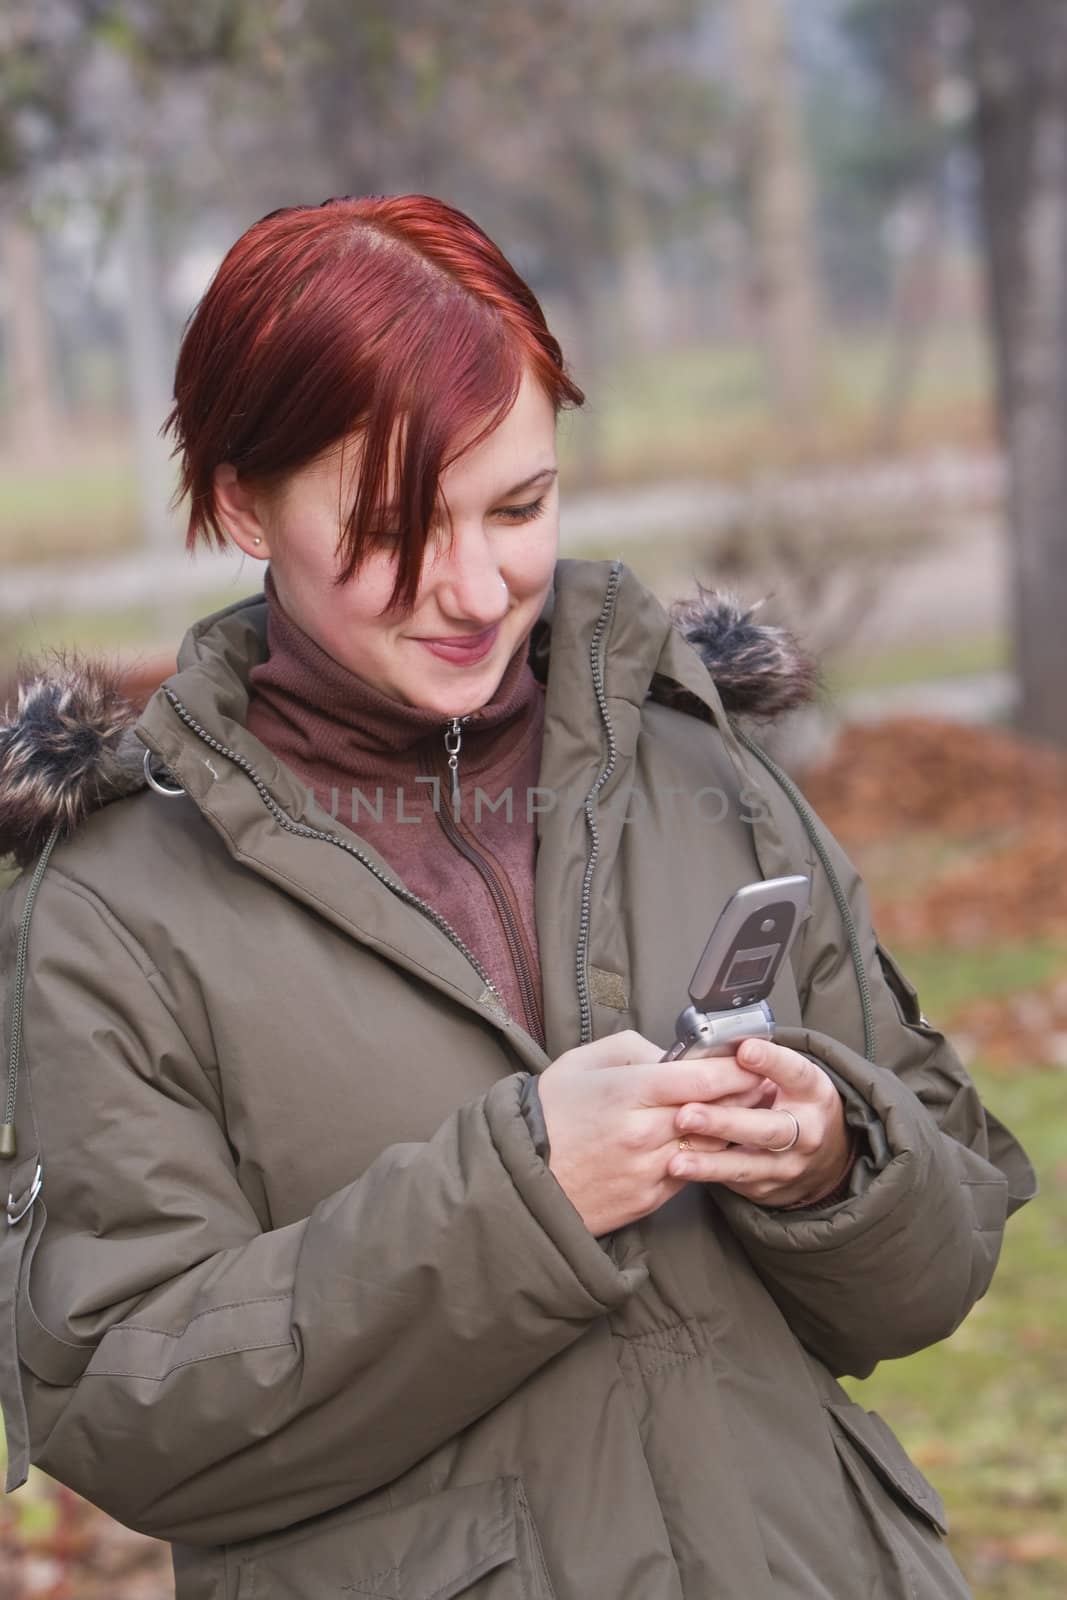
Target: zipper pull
(453, 740)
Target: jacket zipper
(800, 805)
(531, 1003)
(792, 793)
(285, 821)
(581, 962)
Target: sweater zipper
(531, 1002)
(453, 740)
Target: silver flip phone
(736, 973)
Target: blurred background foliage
(809, 262)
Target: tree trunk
(644, 298)
(782, 213)
(1020, 54)
(913, 311)
(35, 426)
(147, 365)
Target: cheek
(338, 615)
(529, 562)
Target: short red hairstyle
(391, 317)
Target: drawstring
(8, 1146)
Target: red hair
(394, 317)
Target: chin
(457, 699)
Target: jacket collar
(72, 742)
(605, 645)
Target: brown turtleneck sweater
(361, 754)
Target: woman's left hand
(806, 1104)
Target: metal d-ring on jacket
(298, 1292)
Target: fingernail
(752, 1053)
(680, 1167)
(687, 1122)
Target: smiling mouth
(462, 641)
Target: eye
(525, 513)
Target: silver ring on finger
(780, 1149)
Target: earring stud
(257, 541)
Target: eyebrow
(527, 483)
(545, 472)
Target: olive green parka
(297, 1292)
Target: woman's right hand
(609, 1109)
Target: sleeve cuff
(534, 1116)
(609, 1277)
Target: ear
(241, 511)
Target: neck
(321, 717)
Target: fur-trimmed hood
(68, 745)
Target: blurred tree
(781, 187)
(1020, 74)
(34, 427)
(90, 94)
(586, 135)
(897, 170)
(34, 109)
(571, 128)
(576, 132)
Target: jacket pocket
(905, 995)
(478, 1541)
(857, 1430)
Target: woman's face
(478, 596)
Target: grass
(82, 505)
(918, 661)
(949, 978)
(156, 628)
(704, 410)
(985, 1412)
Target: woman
(359, 1242)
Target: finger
(694, 1144)
(739, 1168)
(772, 1130)
(761, 1092)
(676, 1082)
(791, 1071)
(647, 1131)
(690, 1117)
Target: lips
(463, 651)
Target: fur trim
(759, 670)
(68, 749)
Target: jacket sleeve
(204, 1380)
(899, 1264)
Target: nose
(466, 579)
